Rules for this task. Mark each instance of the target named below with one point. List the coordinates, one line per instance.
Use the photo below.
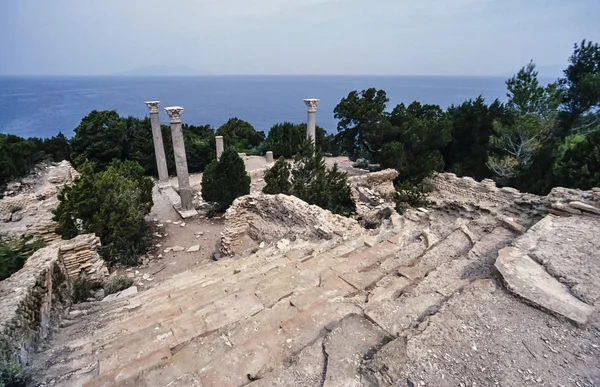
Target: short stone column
(185, 191)
(219, 140)
(269, 157)
(311, 121)
(159, 148)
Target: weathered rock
(193, 248)
(122, 294)
(530, 280)
(585, 207)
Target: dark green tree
(581, 86)
(472, 124)
(100, 137)
(58, 148)
(18, 156)
(285, 139)
(277, 178)
(240, 136)
(112, 204)
(358, 114)
(225, 180)
(416, 138)
(578, 165)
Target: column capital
(311, 104)
(153, 106)
(174, 113)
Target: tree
(472, 123)
(225, 180)
(18, 156)
(112, 204)
(277, 178)
(581, 85)
(240, 135)
(58, 148)
(357, 114)
(413, 146)
(285, 139)
(578, 165)
(100, 138)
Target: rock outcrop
(256, 218)
(26, 208)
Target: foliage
(100, 138)
(581, 84)
(225, 180)
(14, 375)
(579, 162)
(57, 148)
(408, 195)
(18, 156)
(277, 178)
(14, 253)
(472, 124)
(527, 97)
(240, 135)
(112, 204)
(83, 289)
(117, 284)
(311, 181)
(359, 114)
(285, 139)
(414, 145)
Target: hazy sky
(426, 37)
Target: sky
(285, 37)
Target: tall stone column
(311, 121)
(185, 190)
(159, 148)
(219, 140)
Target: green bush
(112, 204)
(83, 289)
(277, 178)
(240, 135)
(13, 254)
(14, 375)
(117, 284)
(312, 182)
(578, 165)
(225, 180)
(408, 195)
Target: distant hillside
(161, 71)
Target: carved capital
(153, 106)
(311, 104)
(175, 113)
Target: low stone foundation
(31, 298)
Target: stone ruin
(32, 298)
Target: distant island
(153, 71)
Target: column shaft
(185, 190)
(220, 146)
(159, 149)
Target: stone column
(185, 191)
(269, 157)
(159, 148)
(311, 122)
(219, 146)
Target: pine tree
(277, 178)
(225, 180)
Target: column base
(164, 184)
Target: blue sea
(43, 106)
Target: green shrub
(13, 254)
(240, 135)
(225, 180)
(578, 165)
(277, 178)
(408, 195)
(14, 375)
(112, 204)
(83, 289)
(116, 284)
(312, 182)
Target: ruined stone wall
(268, 218)
(560, 201)
(31, 298)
